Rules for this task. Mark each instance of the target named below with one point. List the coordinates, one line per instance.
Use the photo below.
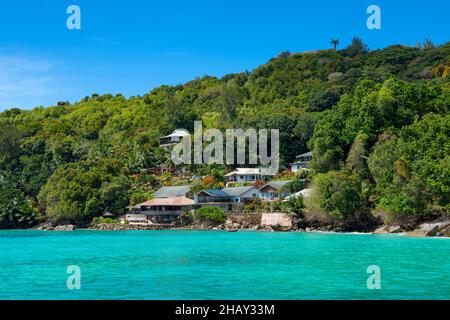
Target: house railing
(161, 212)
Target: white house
(302, 161)
(173, 138)
(248, 175)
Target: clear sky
(132, 46)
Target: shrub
(253, 206)
(295, 185)
(339, 194)
(296, 205)
(212, 214)
(98, 220)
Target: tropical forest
(376, 121)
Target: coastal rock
(388, 229)
(425, 230)
(235, 225)
(395, 229)
(120, 227)
(66, 227)
(416, 233)
(445, 231)
(381, 230)
(430, 229)
(268, 228)
(443, 225)
(44, 226)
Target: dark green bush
(212, 214)
(98, 220)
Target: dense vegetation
(210, 214)
(378, 123)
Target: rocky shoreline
(430, 229)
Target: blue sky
(132, 46)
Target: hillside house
(301, 162)
(227, 199)
(165, 210)
(169, 203)
(174, 138)
(251, 175)
(274, 191)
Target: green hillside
(377, 122)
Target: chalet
(175, 137)
(228, 199)
(168, 205)
(274, 191)
(302, 161)
(244, 175)
(165, 210)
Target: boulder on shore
(395, 229)
(66, 227)
(381, 230)
(425, 230)
(388, 229)
(445, 229)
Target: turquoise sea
(221, 265)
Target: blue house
(227, 198)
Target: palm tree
(334, 43)
(428, 44)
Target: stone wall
(245, 218)
(276, 219)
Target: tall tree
(334, 43)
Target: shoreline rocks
(66, 227)
(389, 229)
(431, 230)
(428, 229)
(127, 227)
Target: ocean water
(221, 265)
